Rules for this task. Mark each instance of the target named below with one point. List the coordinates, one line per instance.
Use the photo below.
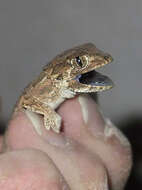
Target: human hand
(89, 154)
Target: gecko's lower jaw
(95, 79)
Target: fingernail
(84, 107)
(111, 130)
(91, 114)
(35, 120)
(55, 139)
(102, 183)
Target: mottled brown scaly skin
(57, 82)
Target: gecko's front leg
(51, 118)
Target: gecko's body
(67, 75)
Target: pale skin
(88, 155)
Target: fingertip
(72, 118)
(80, 115)
(20, 131)
(26, 129)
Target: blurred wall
(32, 32)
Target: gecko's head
(78, 66)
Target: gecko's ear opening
(94, 78)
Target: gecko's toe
(54, 123)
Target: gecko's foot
(54, 123)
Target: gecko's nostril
(108, 58)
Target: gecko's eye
(79, 61)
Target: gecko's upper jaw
(94, 78)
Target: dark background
(32, 32)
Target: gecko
(69, 74)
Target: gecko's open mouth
(94, 78)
